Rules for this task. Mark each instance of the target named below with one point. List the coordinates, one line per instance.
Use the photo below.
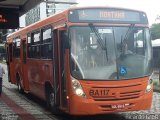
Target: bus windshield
(110, 53)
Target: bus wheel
(19, 84)
(51, 102)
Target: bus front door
(63, 85)
(60, 82)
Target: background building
(47, 8)
(41, 11)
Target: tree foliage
(155, 31)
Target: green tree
(155, 31)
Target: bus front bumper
(84, 106)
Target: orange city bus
(85, 61)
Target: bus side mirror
(66, 41)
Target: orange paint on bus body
(45, 65)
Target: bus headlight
(77, 88)
(150, 84)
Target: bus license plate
(119, 106)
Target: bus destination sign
(112, 14)
(107, 15)
(9, 19)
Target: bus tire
(51, 102)
(19, 84)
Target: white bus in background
(156, 43)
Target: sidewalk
(5, 112)
(9, 110)
(14, 106)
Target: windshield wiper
(99, 39)
(128, 31)
(123, 40)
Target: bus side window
(16, 47)
(47, 44)
(29, 45)
(35, 45)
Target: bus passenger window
(36, 38)
(35, 45)
(47, 45)
(33, 51)
(50, 53)
(29, 52)
(47, 35)
(37, 52)
(16, 47)
(43, 51)
(29, 45)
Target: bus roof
(84, 7)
